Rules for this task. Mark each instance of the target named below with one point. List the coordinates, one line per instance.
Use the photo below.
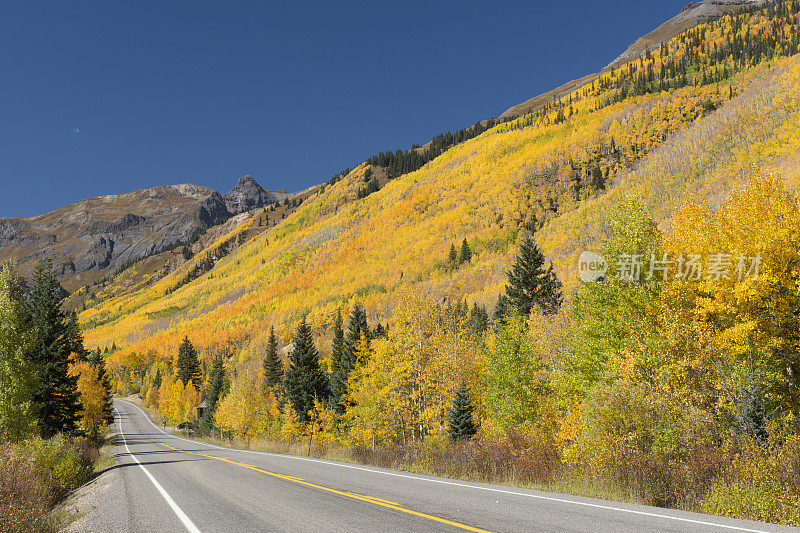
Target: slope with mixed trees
(651, 387)
(691, 15)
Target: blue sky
(108, 97)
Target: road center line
(187, 522)
(368, 499)
(467, 485)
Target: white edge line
(187, 522)
(456, 484)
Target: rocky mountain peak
(247, 195)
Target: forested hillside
(415, 299)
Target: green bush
(66, 464)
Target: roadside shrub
(65, 464)
(762, 482)
(519, 457)
(25, 496)
(661, 452)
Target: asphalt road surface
(173, 484)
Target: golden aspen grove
(669, 389)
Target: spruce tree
(188, 364)
(213, 396)
(466, 253)
(453, 256)
(530, 284)
(356, 327)
(478, 319)
(304, 380)
(108, 404)
(500, 308)
(598, 181)
(462, 424)
(17, 372)
(338, 362)
(55, 337)
(95, 356)
(273, 366)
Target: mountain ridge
(689, 16)
(92, 237)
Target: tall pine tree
(530, 284)
(466, 253)
(189, 364)
(461, 423)
(478, 318)
(500, 308)
(56, 337)
(357, 327)
(213, 396)
(17, 372)
(273, 366)
(100, 365)
(452, 257)
(338, 370)
(304, 380)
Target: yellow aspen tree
(753, 302)
(243, 410)
(92, 398)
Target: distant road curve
(169, 483)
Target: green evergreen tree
(598, 180)
(356, 327)
(530, 284)
(108, 404)
(157, 380)
(500, 308)
(338, 364)
(478, 319)
(273, 366)
(453, 256)
(55, 337)
(95, 356)
(466, 253)
(213, 396)
(380, 332)
(189, 364)
(304, 380)
(17, 372)
(461, 422)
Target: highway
(168, 483)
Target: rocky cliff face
(91, 238)
(247, 195)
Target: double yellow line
(300, 481)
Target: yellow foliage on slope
(334, 249)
